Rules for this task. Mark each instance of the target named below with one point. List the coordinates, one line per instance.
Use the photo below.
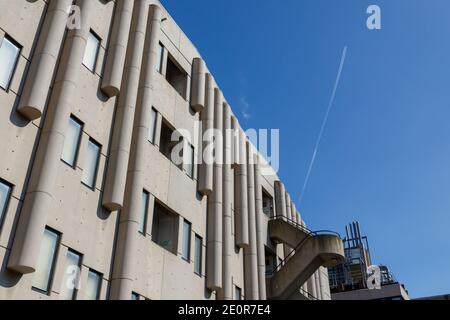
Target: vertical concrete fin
(280, 199)
(116, 173)
(198, 84)
(259, 231)
(288, 206)
(115, 60)
(39, 195)
(205, 183)
(43, 63)
(241, 194)
(125, 255)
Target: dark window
(91, 162)
(186, 249)
(198, 255)
(267, 204)
(176, 76)
(165, 228)
(144, 212)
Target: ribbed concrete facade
(144, 226)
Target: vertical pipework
(115, 60)
(226, 293)
(117, 169)
(215, 202)
(250, 252)
(241, 194)
(259, 231)
(43, 63)
(198, 85)
(280, 199)
(39, 196)
(206, 172)
(125, 255)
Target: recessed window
(165, 228)
(189, 161)
(186, 249)
(167, 145)
(9, 56)
(160, 58)
(144, 212)
(72, 141)
(91, 164)
(91, 51)
(176, 76)
(237, 293)
(46, 263)
(152, 125)
(5, 194)
(93, 285)
(71, 280)
(198, 255)
(267, 204)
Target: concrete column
(259, 231)
(198, 84)
(288, 207)
(215, 204)
(250, 252)
(318, 288)
(236, 142)
(241, 194)
(206, 172)
(116, 173)
(43, 63)
(38, 198)
(325, 284)
(226, 293)
(280, 199)
(115, 60)
(125, 255)
(312, 286)
(294, 212)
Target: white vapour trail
(324, 123)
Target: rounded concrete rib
(39, 196)
(294, 212)
(250, 252)
(198, 84)
(259, 231)
(226, 293)
(43, 64)
(311, 283)
(236, 144)
(241, 194)
(288, 206)
(280, 199)
(115, 60)
(318, 289)
(206, 173)
(215, 202)
(116, 174)
(125, 255)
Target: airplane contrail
(324, 123)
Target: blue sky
(384, 159)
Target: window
(198, 255)
(135, 296)
(189, 161)
(237, 293)
(5, 194)
(176, 77)
(72, 141)
(93, 285)
(144, 211)
(70, 283)
(152, 125)
(9, 56)
(166, 145)
(160, 58)
(91, 164)
(91, 51)
(271, 261)
(186, 250)
(267, 204)
(46, 262)
(165, 228)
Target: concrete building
(94, 102)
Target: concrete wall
(89, 220)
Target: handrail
(308, 294)
(310, 234)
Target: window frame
(188, 224)
(191, 175)
(97, 164)
(16, 63)
(80, 264)
(100, 278)
(152, 136)
(54, 263)
(159, 209)
(80, 138)
(198, 263)
(144, 213)
(97, 53)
